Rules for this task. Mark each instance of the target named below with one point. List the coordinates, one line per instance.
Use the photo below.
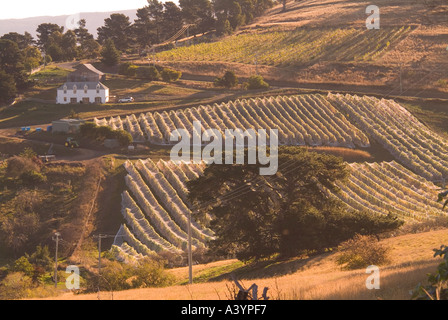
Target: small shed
(67, 125)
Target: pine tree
(7, 87)
(288, 213)
(110, 56)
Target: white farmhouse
(82, 92)
(83, 86)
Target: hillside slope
(318, 277)
(342, 53)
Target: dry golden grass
(422, 52)
(315, 278)
(329, 13)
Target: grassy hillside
(327, 43)
(280, 47)
(33, 209)
(317, 277)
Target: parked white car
(126, 100)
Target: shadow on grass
(272, 268)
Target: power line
(242, 187)
(243, 192)
(100, 236)
(235, 195)
(56, 238)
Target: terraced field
(155, 206)
(300, 120)
(397, 130)
(388, 187)
(282, 48)
(314, 120)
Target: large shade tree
(44, 32)
(7, 87)
(23, 40)
(288, 213)
(110, 56)
(118, 29)
(172, 20)
(198, 12)
(12, 62)
(143, 29)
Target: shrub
(16, 230)
(151, 273)
(148, 73)
(23, 265)
(123, 137)
(28, 153)
(105, 132)
(41, 258)
(115, 276)
(256, 82)
(48, 59)
(147, 273)
(18, 165)
(88, 129)
(171, 259)
(91, 130)
(128, 69)
(361, 252)
(16, 285)
(32, 178)
(170, 75)
(229, 80)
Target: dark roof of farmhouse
(89, 67)
(81, 85)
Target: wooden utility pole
(100, 236)
(56, 238)
(190, 254)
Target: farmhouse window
(98, 100)
(85, 100)
(75, 89)
(73, 100)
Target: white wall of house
(93, 95)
